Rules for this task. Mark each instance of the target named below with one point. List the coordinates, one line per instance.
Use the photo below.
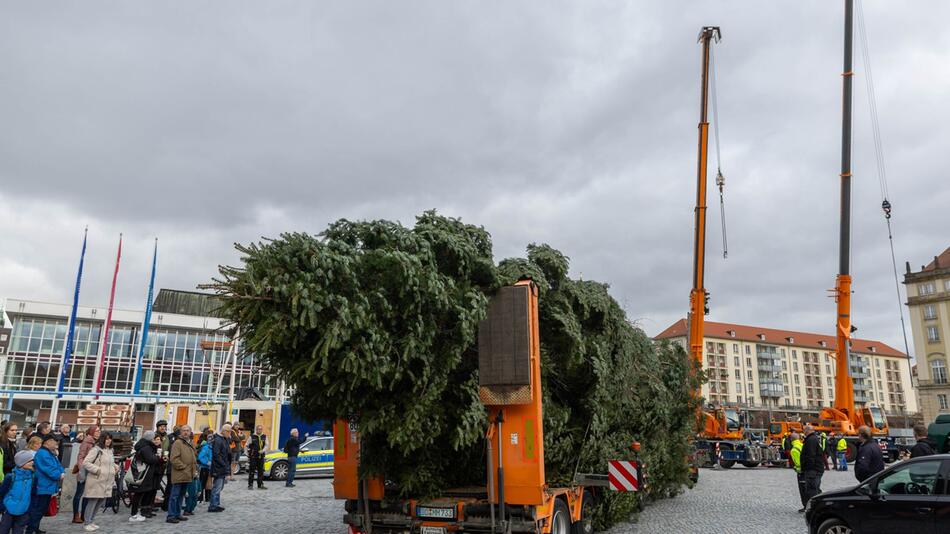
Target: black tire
(834, 526)
(560, 518)
(750, 465)
(852, 453)
(279, 470)
(586, 523)
(726, 464)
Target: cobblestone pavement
(734, 501)
(309, 508)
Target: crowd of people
(808, 454)
(195, 470)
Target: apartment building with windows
(758, 366)
(928, 302)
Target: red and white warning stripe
(623, 475)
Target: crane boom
(697, 296)
(844, 385)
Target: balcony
(770, 390)
(860, 386)
(769, 368)
(861, 397)
(860, 374)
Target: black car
(911, 497)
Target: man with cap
(16, 492)
(49, 473)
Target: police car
(315, 458)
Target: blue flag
(148, 319)
(68, 353)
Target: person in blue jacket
(15, 494)
(49, 473)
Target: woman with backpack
(100, 478)
(15, 494)
(145, 472)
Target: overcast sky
(571, 123)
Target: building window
(879, 386)
(785, 377)
(738, 398)
(878, 372)
(831, 394)
(946, 285)
(797, 380)
(735, 348)
(927, 288)
(747, 351)
(942, 402)
(933, 334)
(738, 374)
(786, 391)
(748, 362)
(798, 391)
(930, 311)
(736, 361)
(749, 388)
(781, 351)
(784, 365)
(795, 366)
(828, 380)
(794, 353)
(938, 372)
(749, 375)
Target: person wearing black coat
(220, 466)
(143, 495)
(813, 463)
(870, 459)
(8, 444)
(925, 446)
(292, 449)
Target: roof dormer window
(761, 337)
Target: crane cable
(879, 158)
(720, 179)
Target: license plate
(427, 512)
(433, 530)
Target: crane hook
(886, 206)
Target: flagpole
(100, 369)
(68, 349)
(137, 380)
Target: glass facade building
(186, 356)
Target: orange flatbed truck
(510, 389)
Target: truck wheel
(585, 525)
(726, 464)
(852, 453)
(561, 518)
(750, 465)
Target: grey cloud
(206, 123)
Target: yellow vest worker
(842, 445)
(796, 454)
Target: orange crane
(844, 417)
(722, 437)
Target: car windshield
(775, 429)
(877, 417)
(732, 419)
